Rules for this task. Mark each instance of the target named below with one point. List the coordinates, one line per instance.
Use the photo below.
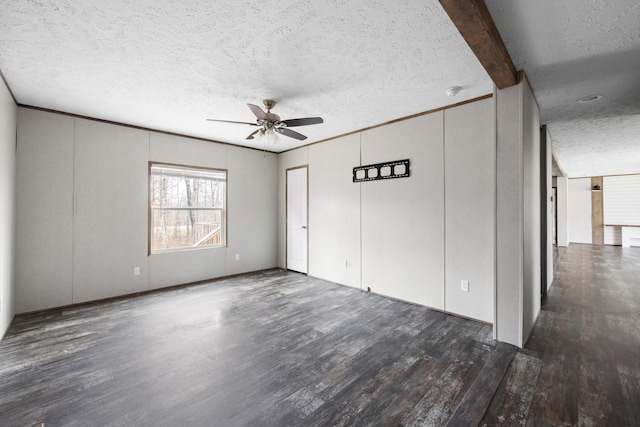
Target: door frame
(286, 216)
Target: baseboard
(137, 294)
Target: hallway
(581, 365)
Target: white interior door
(297, 219)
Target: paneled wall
(579, 210)
(518, 234)
(470, 180)
(549, 205)
(83, 211)
(532, 236)
(563, 210)
(334, 211)
(45, 203)
(110, 190)
(403, 219)
(411, 238)
(8, 113)
(509, 215)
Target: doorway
(554, 209)
(297, 232)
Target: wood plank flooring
(581, 365)
(268, 349)
(280, 349)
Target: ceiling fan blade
(291, 133)
(231, 121)
(303, 122)
(259, 112)
(253, 133)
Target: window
(187, 207)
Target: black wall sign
(388, 170)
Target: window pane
(187, 208)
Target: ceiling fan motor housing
(271, 121)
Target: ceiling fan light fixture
(589, 98)
(270, 136)
(270, 124)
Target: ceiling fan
(270, 122)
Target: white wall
(253, 210)
(562, 185)
(92, 177)
(334, 211)
(518, 214)
(44, 225)
(470, 208)
(394, 233)
(532, 234)
(8, 113)
(550, 210)
(509, 216)
(110, 189)
(403, 219)
(579, 210)
(613, 235)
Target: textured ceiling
(575, 48)
(169, 65)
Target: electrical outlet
(136, 271)
(237, 257)
(345, 263)
(464, 285)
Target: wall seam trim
(444, 212)
(74, 208)
(360, 209)
(148, 208)
(495, 213)
(521, 216)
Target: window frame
(150, 209)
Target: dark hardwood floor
(267, 349)
(581, 365)
(281, 349)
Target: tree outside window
(187, 207)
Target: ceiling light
(269, 136)
(453, 90)
(589, 98)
